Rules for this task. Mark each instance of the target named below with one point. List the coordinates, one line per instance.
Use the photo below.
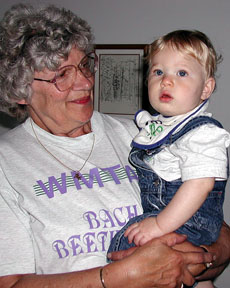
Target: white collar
(155, 128)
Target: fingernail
(109, 255)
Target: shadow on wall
(145, 103)
(145, 98)
(7, 121)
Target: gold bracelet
(101, 278)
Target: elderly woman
(66, 184)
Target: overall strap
(192, 124)
(137, 155)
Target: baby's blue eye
(158, 72)
(182, 73)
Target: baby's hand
(142, 232)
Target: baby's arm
(187, 200)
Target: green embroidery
(154, 129)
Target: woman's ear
(208, 88)
(22, 102)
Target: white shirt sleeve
(202, 153)
(18, 257)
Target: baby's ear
(208, 88)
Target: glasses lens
(65, 77)
(88, 65)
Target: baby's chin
(172, 112)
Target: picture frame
(118, 86)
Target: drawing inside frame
(119, 79)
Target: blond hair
(192, 42)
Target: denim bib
(156, 193)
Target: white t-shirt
(51, 222)
(200, 153)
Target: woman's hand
(221, 250)
(156, 264)
(197, 268)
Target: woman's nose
(83, 83)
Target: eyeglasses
(65, 76)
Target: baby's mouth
(165, 97)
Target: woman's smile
(82, 100)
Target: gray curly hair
(31, 40)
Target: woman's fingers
(119, 255)
(158, 263)
(170, 240)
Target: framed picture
(119, 79)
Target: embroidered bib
(156, 129)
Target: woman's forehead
(74, 58)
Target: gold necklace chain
(77, 175)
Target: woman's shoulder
(116, 123)
(12, 135)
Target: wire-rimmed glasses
(66, 75)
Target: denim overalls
(204, 226)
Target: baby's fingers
(133, 234)
(130, 228)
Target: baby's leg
(205, 284)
